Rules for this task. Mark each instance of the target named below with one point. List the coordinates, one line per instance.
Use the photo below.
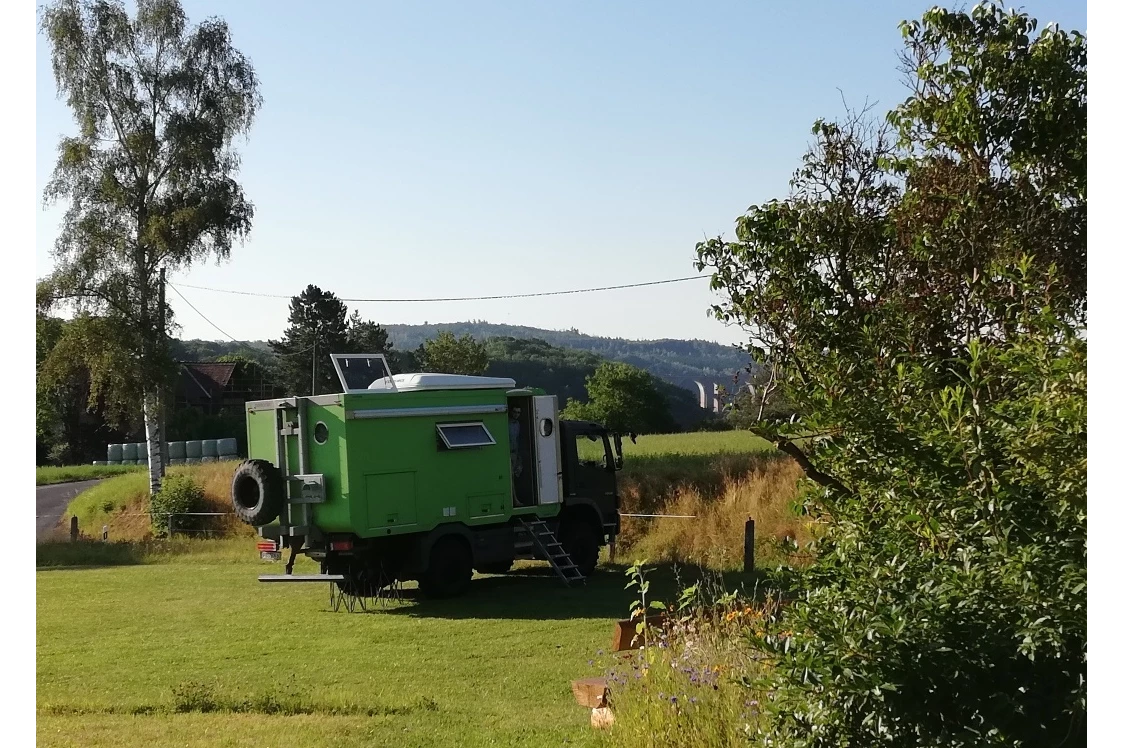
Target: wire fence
(184, 528)
(750, 536)
(179, 523)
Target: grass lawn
(45, 476)
(194, 651)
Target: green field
(194, 651)
(175, 642)
(45, 476)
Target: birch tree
(148, 180)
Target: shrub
(922, 296)
(179, 493)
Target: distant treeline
(529, 361)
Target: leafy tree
(49, 397)
(149, 182)
(370, 337)
(624, 398)
(317, 328)
(921, 294)
(762, 399)
(449, 354)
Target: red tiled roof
(213, 377)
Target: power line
(457, 298)
(212, 324)
(232, 338)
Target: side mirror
(619, 451)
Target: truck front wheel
(450, 569)
(579, 539)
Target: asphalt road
(51, 501)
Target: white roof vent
(434, 381)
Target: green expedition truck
(426, 477)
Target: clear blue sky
(459, 149)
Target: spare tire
(257, 492)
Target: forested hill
(670, 359)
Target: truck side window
(464, 435)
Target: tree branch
(827, 481)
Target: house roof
(211, 377)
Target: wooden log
(625, 638)
(591, 692)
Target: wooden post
(74, 529)
(750, 544)
(612, 552)
(593, 693)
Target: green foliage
(625, 399)
(671, 359)
(179, 493)
(685, 686)
(70, 421)
(922, 299)
(221, 350)
(535, 363)
(149, 184)
(370, 337)
(148, 177)
(189, 424)
(449, 354)
(763, 399)
(318, 327)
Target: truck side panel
(412, 482)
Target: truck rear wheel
(450, 569)
(579, 539)
(257, 492)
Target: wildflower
(674, 699)
(694, 700)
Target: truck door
(547, 449)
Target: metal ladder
(547, 544)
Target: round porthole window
(320, 433)
(546, 427)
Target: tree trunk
(155, 438)
(164, 460)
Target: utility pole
(315, 335)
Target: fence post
(750, 544)
(105, 532)
(74, 529)
(171, 523)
